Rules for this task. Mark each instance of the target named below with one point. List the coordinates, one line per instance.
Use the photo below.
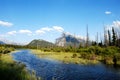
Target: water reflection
(50, 69)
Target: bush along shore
(91, 55)
(12, 70)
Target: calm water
(49, 69)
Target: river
(49, 69)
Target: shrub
(117, 56)
(85, 55)
(11, 71)
(91, 49)
(95, 49)
(109, 51)
(74, 55)
(6, 51)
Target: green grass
(7, 58)
(66, 57)
(85, 55)
(11, 70)
(90, 55)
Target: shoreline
(76, 58)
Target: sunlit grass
(7, 58)
(11, 70)
(66, 57)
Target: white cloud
(2, 35)
(115, 25)
(43, 30)
(39, 32)
(12, 33)
(108, 12)
(76, 36)
(58, 28)
(25, 31)
(6, 24)
(80, 37)
(108, 27)
(46, 29)
(68, 33)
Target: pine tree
(94, 43)
(101, 44)
(109, 37)
(113, 37)
(117, 39)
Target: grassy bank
(66, 57)
(11, 70)
(93, 54)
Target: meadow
(90, 55)
(66, 57)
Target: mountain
(6, 41)
(40, 43)
(1, 42)
(69, 40)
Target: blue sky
(24, 20)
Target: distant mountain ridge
(40, 43)
(5, 41)
(69, 40)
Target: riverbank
(108, 55)
(7, 58)
(56, 70)
(66, 57)
(12, 70)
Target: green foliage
(100, 44)
(113, 37)
(74, 55)
(5, 50)
(40, 44)
(94, 43)
(10, 70)
(85, 55)
(15, 71)
(117, 55)
(83, 50)
(110, 50)
(109, 36)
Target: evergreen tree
(117, 39)
(100, 44)
(109, 37)
(113, 37)
(94, 43)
